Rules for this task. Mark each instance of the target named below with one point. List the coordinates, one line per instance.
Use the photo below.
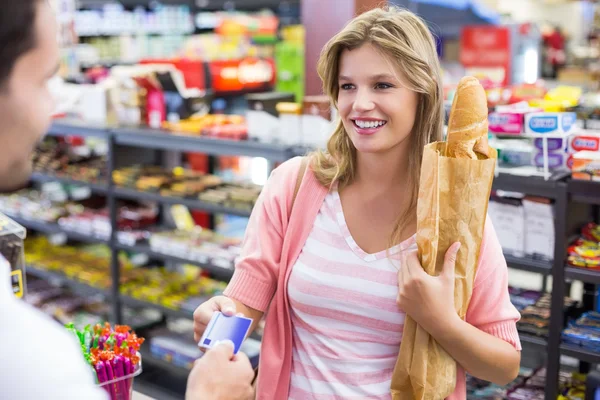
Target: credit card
(222, 327)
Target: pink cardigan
(274, 238)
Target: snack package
(455, 185)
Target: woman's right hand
(205, 311)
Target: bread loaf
(468, 123)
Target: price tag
(16, 278)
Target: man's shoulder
(40, 357)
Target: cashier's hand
(221, 375)
(205, 311)
(429, 300)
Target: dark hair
(17, 34)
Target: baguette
(468, 124)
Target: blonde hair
(406, 40)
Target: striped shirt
(346, 324)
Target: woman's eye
(383, 86)
(346, 86)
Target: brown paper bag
(452, 206)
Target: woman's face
(377, 110)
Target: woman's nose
(363, 101)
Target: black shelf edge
(583, 275)
(43, 178)
(529, 264)
(151, 360)
(534, 186)
(580, 353)
(191, 203)
(70, 127)
(64, 281)
(132, 302)
(220, 273)
(165, 140)
(51, 229)
(584, 191)
(533, 340)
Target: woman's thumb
(450, 258)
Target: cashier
(38, 358)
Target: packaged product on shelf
(556, 160)
(584, 141)
(508, 217)
(539, 227)
(510, 120)
(290, 123)
(584, 332)
(584, 252)
(512, 152)
(523, 298)
(535, 319)
(554, 145)
(586, 166)
(262, 116)
(168, 288)
(317, 115)
(550, 123)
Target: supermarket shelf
(534, 186)
(43, 178)
(529, 264)
(220, 273)
(130, 301)
(584, 191)
(157, 139)
(149, 360)
(65, 281)
(583, 275)
(71, 127)
(533, 340)
(191, 203)
(52, 229)
(580, 353)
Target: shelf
(529, 264)
(580, 353)
(131, 194)
(533, 340)
(149, 359)
(584, 191)
(220, 273)
(53, 229)
(44, 178)
(583, 275)
(64, 280)
(164, 140)
(169, 312)
(71, 127)
(533, 186)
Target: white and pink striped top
(346, 324)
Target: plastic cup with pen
(114, 356)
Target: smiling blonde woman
(325, 262)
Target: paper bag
(452, 206)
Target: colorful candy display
(585, 251)
(114, 355)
